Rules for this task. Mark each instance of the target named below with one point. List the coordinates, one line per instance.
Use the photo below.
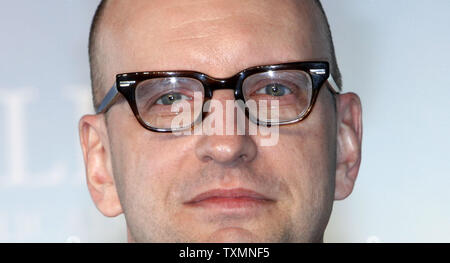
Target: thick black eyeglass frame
(126, 84)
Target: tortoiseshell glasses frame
(126, 84)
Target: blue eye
(171, 98)
(274, 89)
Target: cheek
(306, 157)
(144, 161)
(147, 165)
(141, 162)
(303, 158)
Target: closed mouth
(229, 198)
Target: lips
(229, 198)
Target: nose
(226, 149)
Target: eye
(274, 89)
(169, 99)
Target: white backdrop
(394, 54)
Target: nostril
(207, 158)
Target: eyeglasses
(292, 87)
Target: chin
(233, 235)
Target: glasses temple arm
(108, 100)
(332, 84)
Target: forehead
(217, 37)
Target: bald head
(216, 37)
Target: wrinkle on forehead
(219, 38)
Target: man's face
(158, 174)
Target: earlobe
(99, 176)
(349, 138)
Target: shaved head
(107, 10)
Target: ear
(96, 155)
(349, 137)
